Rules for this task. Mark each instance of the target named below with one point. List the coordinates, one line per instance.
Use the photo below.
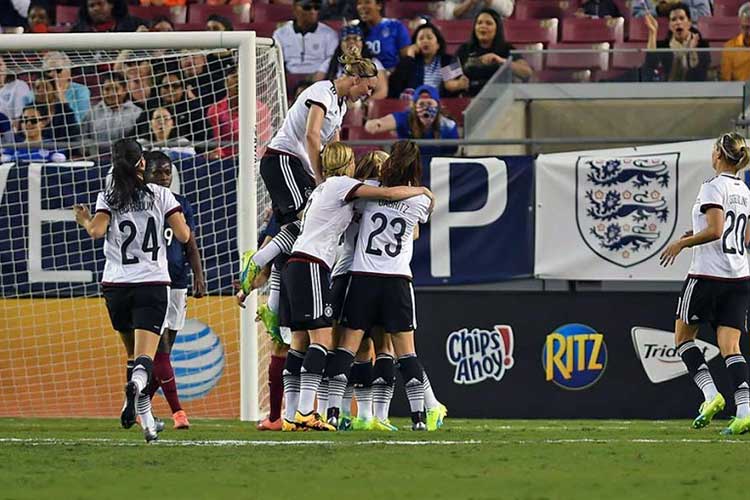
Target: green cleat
(708, 411)
(360, 424)
(383, 425)
(271, 321)
(249, 270)
(737, 426)
(435, 417)
(345, 422)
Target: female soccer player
(305, 305)
(130, 214)
(379, 291)
(717, 290)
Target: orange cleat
(269, 425)
(180, 420)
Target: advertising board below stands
(558, 355)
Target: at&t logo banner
(574, 356)
(479, 354)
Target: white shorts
(176, 309)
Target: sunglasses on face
(31, 120)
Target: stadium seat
(638, 32)
(354, 117)
(272, 12)
(562, 76)
(716, 57)
(190, 27)
(238, 14)
(544, 9)
(336, 25)
(536, 59)
(178, 15)
(727, 8)
(381, 107)
(579, 60)
(452, 47)
(359, 133)
(718, 29)
(406, 10)
(628, 60)
(458, 30)
(264, 28)
(525, 31)
(66, 14)
(292, 81)
(580, 30)
(454, 107)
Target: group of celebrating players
(338, 263)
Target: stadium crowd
(449, 50)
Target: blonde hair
(368, 166)
(336, 158)
(55, 60)
(355, 65)
(734, 149)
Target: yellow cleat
(312, 422)
(287, 426)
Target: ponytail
(128, 191)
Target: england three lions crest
(626, 207)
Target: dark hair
(119, 10)
(41, 4)
(440, 38)
(679, 6)
(42, 111)
(161, 19)
(498, 42)
(156, 159)
(128, 191)
(416, 128)
(221, 20)
(362, 24)
(403, 167)
(116, 77)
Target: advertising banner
(608, 214)
(559, 355)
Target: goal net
(63, 108)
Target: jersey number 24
(150, 240)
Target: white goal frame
(246, 43)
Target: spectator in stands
(684, 63)
(14, 93)
(735, 64)
(387, 39)
(351, 36)
(305, 42)
(469, 9)
(39, 18)
(164, 136)
(200, 83)
(215, 22)
(6, 129)
(661, 8)
(62, 121)
(57, 67)
(426, 63)
(30, 138)
(423, 120)
(159, 3)
(115, 116)
(338, 9)
(598, 8)
(139, 76)
(486, 51)
(220, 63)
(187, 114)
(105, 15)
(162, 24)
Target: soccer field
(534, 459)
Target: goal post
(261, 103)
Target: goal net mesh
(59, 114)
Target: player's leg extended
(279, 354)
(411, 371)
(384, 375)
(729, 345)
(164, 373)
(338, 370)
(696, 364)
(291, 378)
(311, 374)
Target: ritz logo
(479, 354)
(574, 356)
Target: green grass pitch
(477, 459)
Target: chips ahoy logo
(479, 354)
(198, 360)
(574, 356)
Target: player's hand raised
(240, 295)
(82, 214)
(670, 253)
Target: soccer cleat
(345, 423)
(312, 422)
(271, 321)
(708, 411)
(383, 425)
(127, 417)
(270, 425)
(150, 435)
(249, 270)
(418, 426)
(287, 426)
(360, 424)
(180, 420)
(158, 425)
(435, 417)
(737, 426)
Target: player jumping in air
(130, 215)
(717, 288)
(181, 258)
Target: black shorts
(379, 300)
(137, 307)
(719, 303)
(288, 184)
(338, 291)
(304, 299)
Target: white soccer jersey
(327, 216)
(724, 258)
(386, 236)
(348, 241)
(135, 249)
(291, 136)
